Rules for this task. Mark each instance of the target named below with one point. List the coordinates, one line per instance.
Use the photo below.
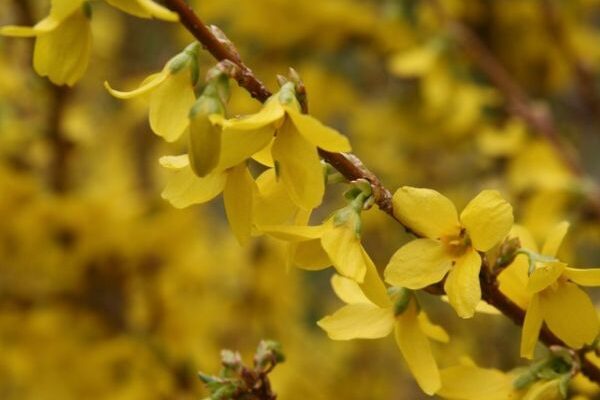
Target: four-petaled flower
(371, 318)
(449, 245)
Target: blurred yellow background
(107, 292)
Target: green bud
(204, 137)
(287, 94)
(192, 49)
(178, 62)
(194, 70)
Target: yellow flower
(144, 9)
(449, 245)
(171, 94)
(63, 41)
(363, 318)
(294, 149)
(558, 301)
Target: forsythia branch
(352, 168)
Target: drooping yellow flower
(449, 245)
(63, 41)
(144, 9)
(558, 301)
(294, 149)
(171, 94)
(363, 318)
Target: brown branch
(352, 168)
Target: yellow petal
(19, 31)
(432, 330)
(415, 348)
(555, 238)
(488, 219)
(570, 314)
(309, 255)
(318, 134)
(158, 11)
(372, 286)
(348, 290)
(144, 9)
(147, 85)
(62, 9)
(583, 277)
(531, 327)
(299, 167)
(544, 390)
(513, 281)
(462, 284)
(426, 212)
(294, 233)
(358, 321)
(237, 145)
(238, 196)
(63, 53)
(525, 237)
(544, 275)
(417, 264)
(271, 112)
(204, 146)
(344, 250)
(170, 104)
(175, 162)
(273, 206)
(468, 382)
(264, 156)
(184, 188)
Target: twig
(352, 168)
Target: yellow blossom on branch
(294, 149)
(361, 318)
(144, 9)
(449, 245)
(171, 94)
